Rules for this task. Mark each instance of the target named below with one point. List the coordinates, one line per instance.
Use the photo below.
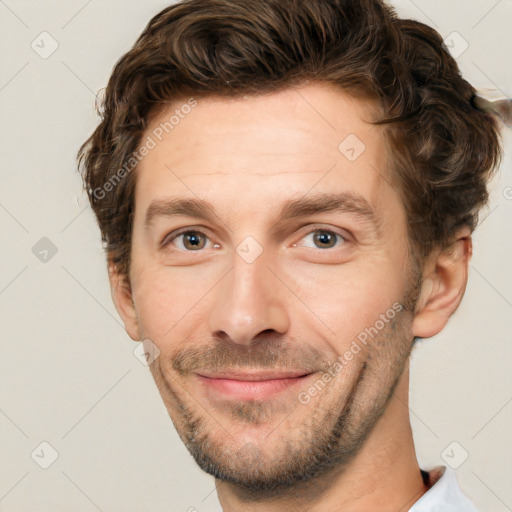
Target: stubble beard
(327, 439)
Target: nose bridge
(247, 302)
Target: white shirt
(445, 495)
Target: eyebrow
(311, 204)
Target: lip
(254, 375)
(250, 385)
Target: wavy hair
(443, 149)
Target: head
(286, 187)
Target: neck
(383, 476)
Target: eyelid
(311, 228)
(170, 237)
(346, 235)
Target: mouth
(250, 385)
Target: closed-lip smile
(254, 375)
(249, 385)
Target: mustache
(261, 356)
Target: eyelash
(169, 238)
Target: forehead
(271, 147)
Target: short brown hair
(443, 149)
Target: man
(287, 191)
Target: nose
(249, 300)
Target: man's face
(260, 288)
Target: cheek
(169, 302)
(155, 314)
(158, 303)
(351, 297)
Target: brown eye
(322, 239)
(193, 240)
(325, 239)
(187, 240)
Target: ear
(122, 296)
(445, 277)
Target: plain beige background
(68, 374)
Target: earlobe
(444, 283)
(123, 300)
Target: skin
(299, 304)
